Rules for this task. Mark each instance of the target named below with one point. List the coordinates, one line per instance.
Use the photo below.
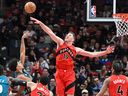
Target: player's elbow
(91, 55)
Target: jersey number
(39, 93)
(119, 90)
(1, 89)
(65, 56)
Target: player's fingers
(113, 50)
(31, 18)
(25, 33)
(36, 22)
(113, 47)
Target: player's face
(69, 37)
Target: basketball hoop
(121, 21)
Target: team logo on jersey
(66, 50)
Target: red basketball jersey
(65, 57)
(40, 90)
(118, 85)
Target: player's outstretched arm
(55, 38)
(22, 47)
(16, 82)
(22, 77)
(82, 52)
(104, 87)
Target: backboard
(102, 10)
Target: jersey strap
(70, 86)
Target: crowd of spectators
(62, 18)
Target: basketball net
(121, 22)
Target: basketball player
(36, 89)
(4, 83)
(66, 52)
(116, 84)
(18, 65)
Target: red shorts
(63, 79)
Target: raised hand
(26, 34)
(10, 78)
(110, 49)
(35, 20)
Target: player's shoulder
(4, 77)
(126, 78)
(106, 82)
(60, 45)
(108, 79)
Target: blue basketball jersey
(4, 86)
(26, 74)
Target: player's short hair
(73, 34)
(1, 70)
(13, 64)
(44, 80)
(117, 66)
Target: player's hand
(35, 20)
(110, 49)
(26, 34)
(11, 78)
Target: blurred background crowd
(62, 17)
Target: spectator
(84, 92)
(52, 86)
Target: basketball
(30, 7)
